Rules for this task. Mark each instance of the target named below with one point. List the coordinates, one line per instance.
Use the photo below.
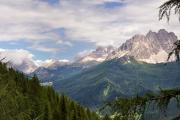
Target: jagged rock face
(162, 39)
(152, 48)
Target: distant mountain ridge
(56, 72)
(151, 48)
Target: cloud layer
(24, 60)
(48, 26)
(83, 20)
(16, 56)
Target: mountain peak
(162, 31)
(151, 33)
(152, 48)
(138, 36)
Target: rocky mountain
(151, 48)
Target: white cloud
(42, 48)
(19, 59)
(84, 53)
(16, 56)
(24, 60)
(83, 20)
(49, 62)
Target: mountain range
(150, 48)
(135, 67)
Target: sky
(61, 29)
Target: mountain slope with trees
(24, 99)
(118, 78)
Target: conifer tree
(63, 109)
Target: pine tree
(166, 8)
(63, 109)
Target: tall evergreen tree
(63, 109)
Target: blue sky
(111, 5)
(52, 2)
(61, 29)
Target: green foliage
(166, 8)
(106, 117)
(131, 108)
(25, 99)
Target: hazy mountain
(26, 66)
(58, 71)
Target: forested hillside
(118, 78)
(24, 99)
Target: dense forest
(25, 99)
